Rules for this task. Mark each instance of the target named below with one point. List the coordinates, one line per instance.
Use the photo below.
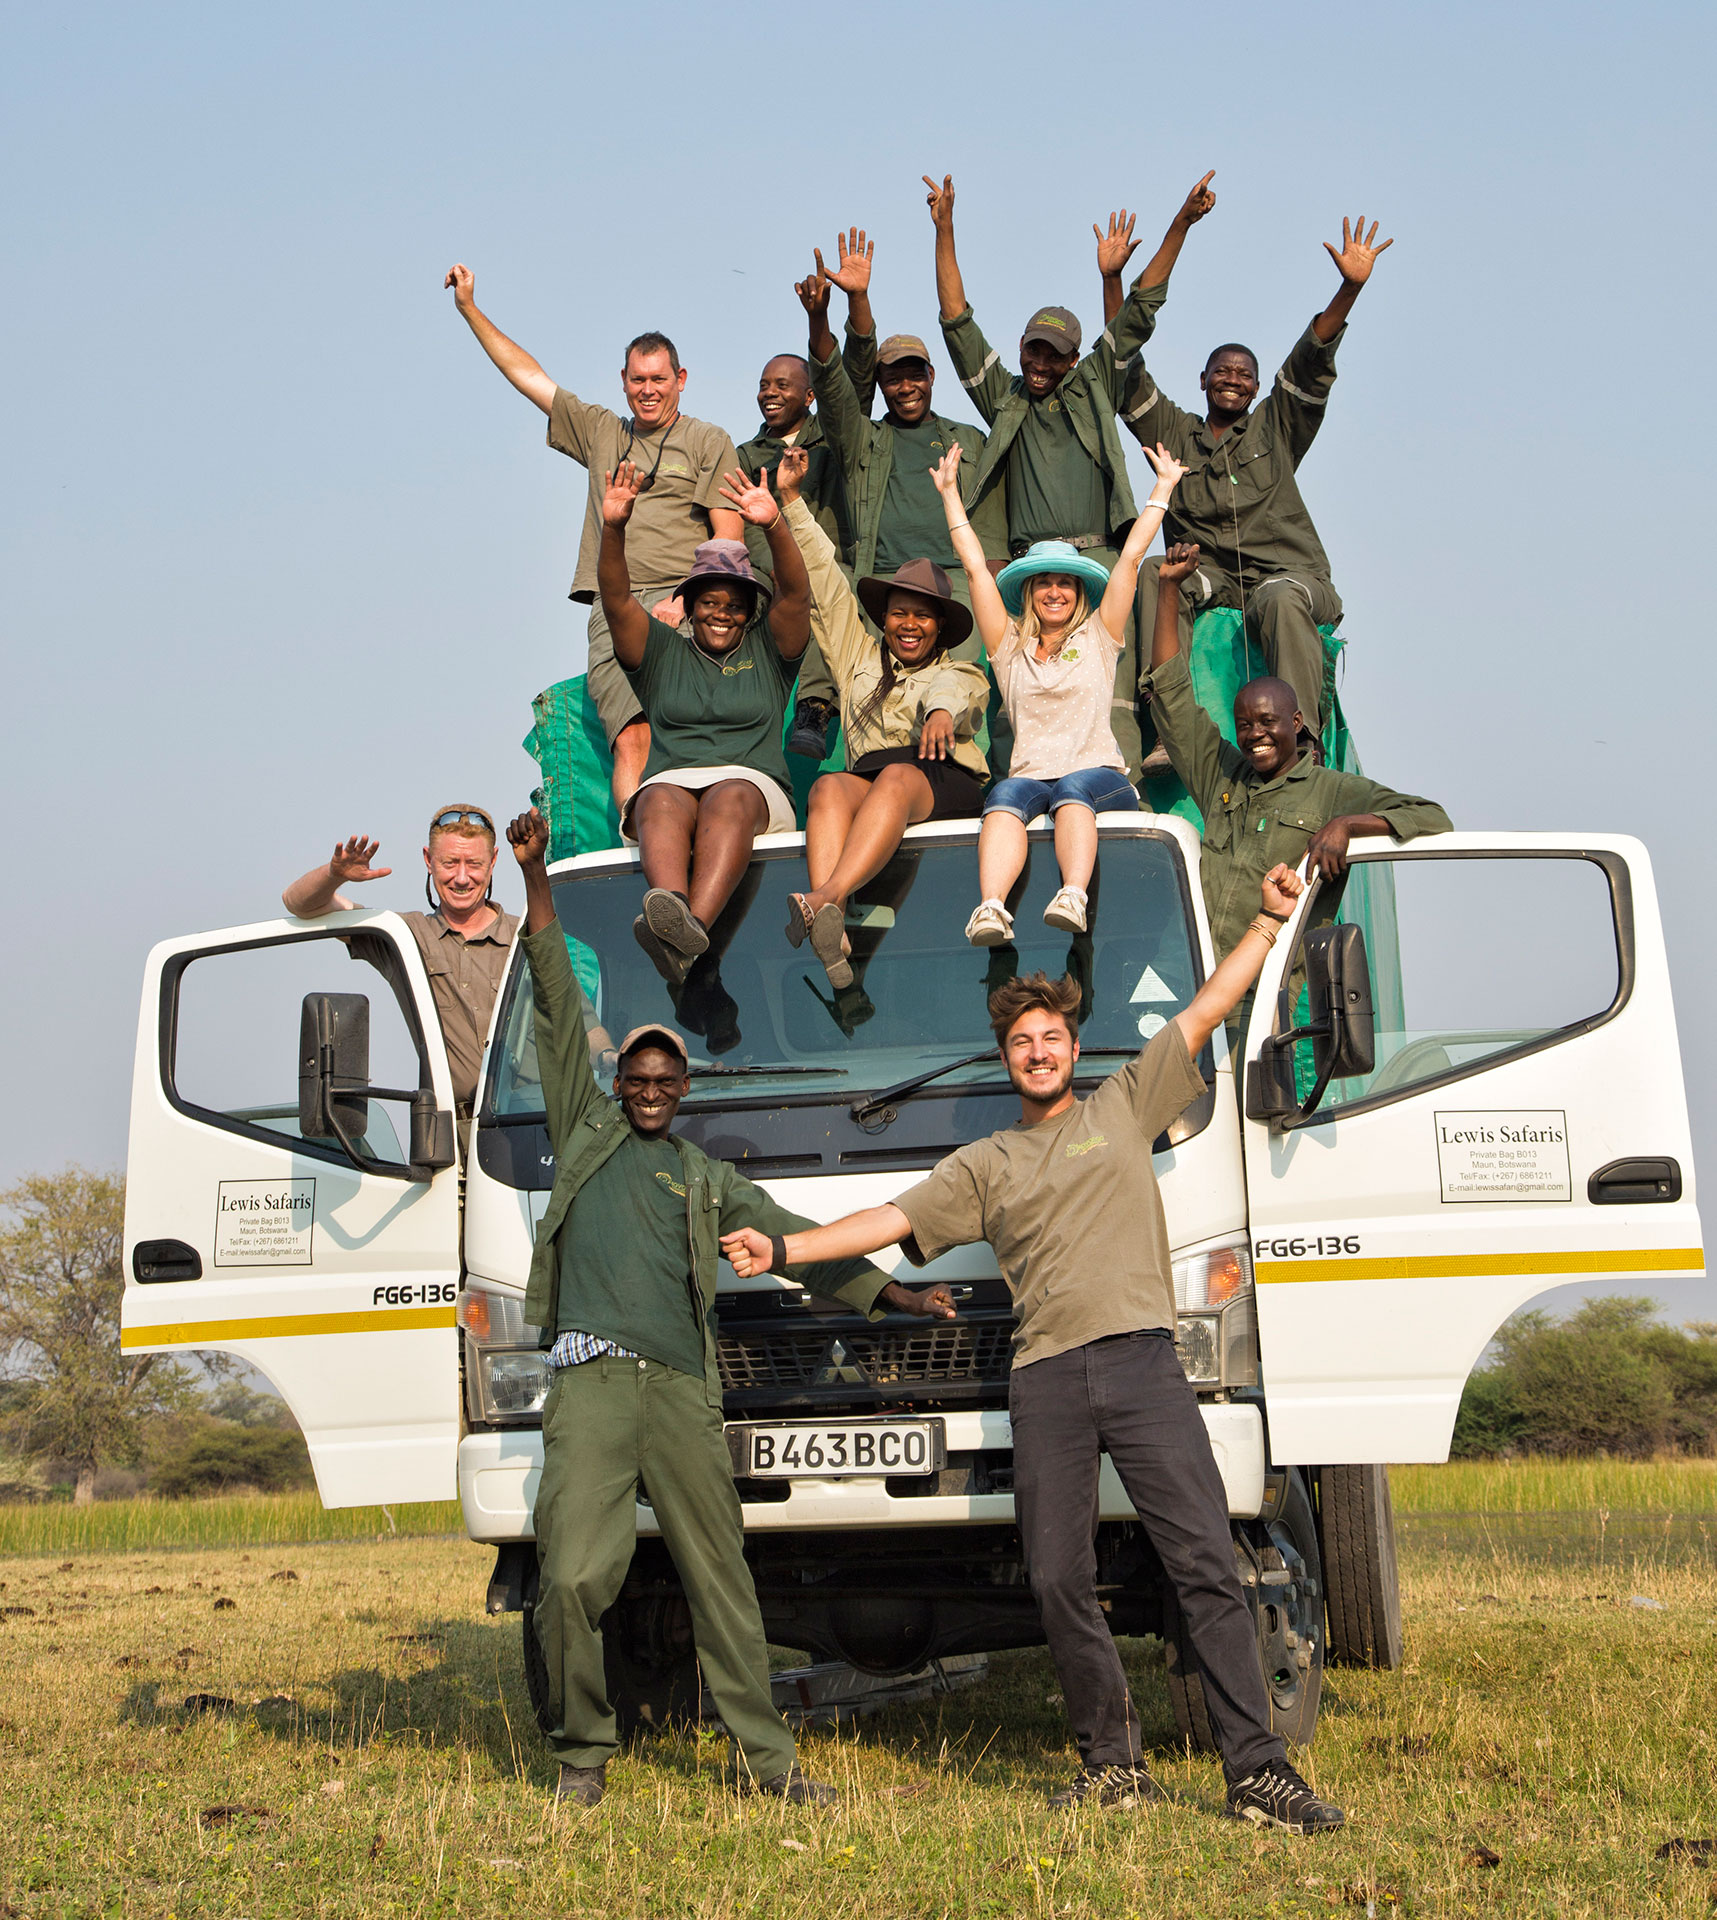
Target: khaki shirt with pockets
(464, 977)
(1070, 1207)
(671, 520)
(959, 688)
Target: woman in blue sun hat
(1050, 622)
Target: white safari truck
(1481, 1100)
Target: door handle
(1633, 1182)
(153, 1260)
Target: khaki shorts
(695, 779)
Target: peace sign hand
(813, 292)
(941, 199)
(1359, 251)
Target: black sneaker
(581, 1785)
(672, 966)
(1112, 1786)
(810, 735)
(1276, 1796)
(793, 1786)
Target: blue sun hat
(1049, 556)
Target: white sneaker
(990, 925)
(1067, 910)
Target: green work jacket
(1091, 392)
(1251, 823)
(586, 1127)
(1240, 500)
(866, 448)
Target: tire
(1356, 1524)
(648, 1659)
(1282, 1563)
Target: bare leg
(730, 817)
(631, 750)
(1075, 844)
(899, 796)
(835, 798)
(665, 819)
(1001, 854)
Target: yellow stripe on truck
(293, 1326)
(1460, 1266)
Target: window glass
(764, 1020)
(236, 1043)
(1472, 957)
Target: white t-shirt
(1060, 707)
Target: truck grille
(927, 1356)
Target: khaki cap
(1056, 327)
(902, 346)
(669, 1041)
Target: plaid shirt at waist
(573, 1348)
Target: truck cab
(1466, 1092)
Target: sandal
(829, 944)
(991, 925)
(1067, 910)
(673, 923)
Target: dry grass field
(333, 1727)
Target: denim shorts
(1102, 789)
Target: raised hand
(813, 292)
(751, 499)
(790, 471)
(1282, 887)
(1359, 251)
(527, 835)
(747, 1251)
(941, 199)
(852, 263)
(352, 859)
(1116, 247)
(1167, 466)
(1198, 202)
(620, 491)
(1177, 563)
(946, 472)
(464, 284)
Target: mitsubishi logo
(837, 1370)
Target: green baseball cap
(1056, 327)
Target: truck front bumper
(499, 1471)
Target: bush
(217, 1456)
(1606, 1380)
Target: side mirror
(334, 1066)
(1339, 1026)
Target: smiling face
(459, 865)
(1042, 368)
(906, 388)
(912, 626)
(719, 617)
(784, 394)
(653, 388)
(1053, 599)
(650, 1085)
(1230, 382)
(1039, 1053)
(1267, 726)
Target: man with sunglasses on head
(682, 461)
(464, 938)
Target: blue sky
(285, 557)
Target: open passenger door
(293, 1193)
(1522, 1123)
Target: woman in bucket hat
(910, 716)
(715, 694)
(1051, 622)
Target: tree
(82, 1400)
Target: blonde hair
(1030, 628)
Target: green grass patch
(1670, 1485)
(241, 1520)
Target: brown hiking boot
(793, 1786)
(581, 1785)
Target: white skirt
(695, 779)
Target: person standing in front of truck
(623, 1285)
(1069, 1202)
(682, 461)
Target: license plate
(836, 1447)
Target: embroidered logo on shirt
(731, 667)
(672, 1185)
(1070, 654)
(1077, 1147)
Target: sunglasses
(458, 817)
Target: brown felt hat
(925, 577)
(1056, 327)
(902, 346)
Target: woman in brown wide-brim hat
(910, 716)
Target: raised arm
(318, 891)
(1124, 577)
(790, 610)
(859, 1233)
(835, 618)
(1229, 984)
(813, 292)
(853, 257)
(1358, 255)
(563, 1048)
(950, 287)
(1117, 246)
(987, 608)
(628, 623)
(508, 355)
(1178, 562)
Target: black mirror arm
(421, 1099)
(1283, 1042)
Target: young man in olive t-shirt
(1069, 1203)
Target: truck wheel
(1282, 1561)
(1356, 1525)
(648, 1659)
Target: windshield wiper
(870, 1107)
(723, 1073)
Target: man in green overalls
(623, 1284)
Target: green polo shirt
(708, 711)
(1055, 489)
(914, 523)
(1251, 823)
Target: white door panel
(337, 1284)
(1391, 1240)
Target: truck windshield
(761, 1019)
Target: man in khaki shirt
(683, 462)
(1069, 1203)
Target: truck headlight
(1216, 1319)
(506, 1377)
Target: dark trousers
(1127, 1397)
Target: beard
(1044, 1095)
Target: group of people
(891, 571)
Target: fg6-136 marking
(1298, 1249)
(434, 1293)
